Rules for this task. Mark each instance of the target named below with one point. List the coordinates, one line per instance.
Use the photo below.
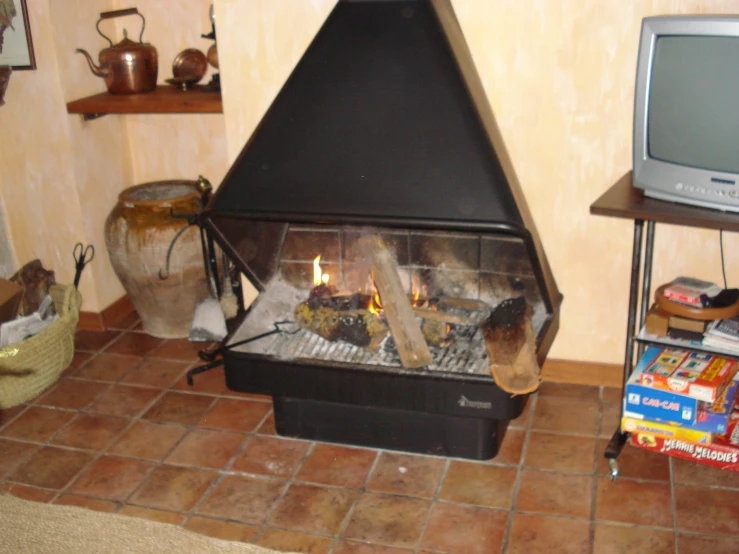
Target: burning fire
(318, 276)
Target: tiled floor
(122, 432)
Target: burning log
(511, 346)
(406, 331)
(341, 318)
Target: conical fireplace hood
(382, 117)
(384, 121)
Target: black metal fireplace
(383, 130)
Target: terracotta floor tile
(90, 431)
(228, 393)
(635, 463)
(560, 452)
(107, 367)
(524, 420)
(406, 475)
(176, 407)
(567, 415)
(617, 539)
(123, 400)
(151, 441)
(685, 472)
(610, 420)
(271, 456)
(569, 390)
(294, 542)
(78, 359)
(134, 344)
(210, 382)
(511, 449)
(555, 493)
(354, 547)
(179, 349)
(611, 395)
(12, 454)
(235, 415)
(111, 478)
(480, 484)
(51, 467)
(31, 493)
(172, 488)
(127, 321)
(640, 503)
(268, 426)
(8, 415)
(219, 529)
(465, 529)
(94, 340)
(705, 544)
(532, 534)
(707, 510)
(246, 499)
(89, 503)
(153, 372)
(388, 520)
(152, 515)
(37, 424)
(331, 464)
(312, 509)
(73, 394)
(205, 448)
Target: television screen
(693, 114)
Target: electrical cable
(723, 264)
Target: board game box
(646, 403)
(695, 374)
(665, 431)
(717, 455)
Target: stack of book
(723, 334)
(683, 403)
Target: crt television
(686, 110)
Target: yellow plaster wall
(560, 76)
(61, 176)
(37, 182)
(174, 146)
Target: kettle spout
(99, 71)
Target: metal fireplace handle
(286, 327)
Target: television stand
(624, 201)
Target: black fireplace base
(442, 435)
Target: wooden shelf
(165, 99)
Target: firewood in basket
(358, 327)
(511, 346)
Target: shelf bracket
(91, 116)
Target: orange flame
(318, 276)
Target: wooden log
(511, 345)
(452, 302)
(436, 315)
(358, 327)
(409, 340)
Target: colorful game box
(695, 374)
(717, 455)
(665, 431)
(645, 403)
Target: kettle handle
(120, 13)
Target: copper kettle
(127, 67)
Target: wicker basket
(29, 367)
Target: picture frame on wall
(16, 46)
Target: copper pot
(127, 67)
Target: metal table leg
(615, 445)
